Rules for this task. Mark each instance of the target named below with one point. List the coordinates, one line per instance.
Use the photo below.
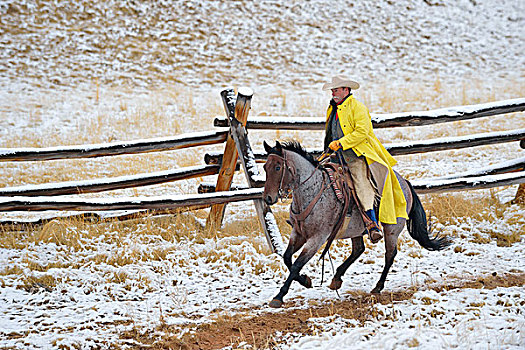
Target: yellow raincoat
(356, 124)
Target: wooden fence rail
(115, 148)
(418, 118)
(424, 186)
(508, 166)
(171, 202)
(116, 183)
(433, 185)
(468, 183)
(413, 147)
(126, 203)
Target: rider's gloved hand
(335, 145)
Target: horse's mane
(296, 147)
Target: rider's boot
(374, 231)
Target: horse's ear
(267, 147)
(278, 147)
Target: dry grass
(250, 228)
(175, 110)
(116, 244)
(11, 270)
(111, 118)
(447, 207)
(248, 225)
(77, 235)
(114, 116)
(18, 174)
(33, 283)
(453, 208)
(387, 97)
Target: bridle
(284, 192)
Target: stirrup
(374, 232)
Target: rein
(306, 212)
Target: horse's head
(279, 173)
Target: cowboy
(349, 130)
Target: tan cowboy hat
(341, 81)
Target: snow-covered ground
(86, 72)
(110, 284)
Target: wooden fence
(232, 132)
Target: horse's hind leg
(358, 247)
(308, 251)
(391, 252)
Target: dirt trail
(259, 330)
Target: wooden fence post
(237, 113)
(229, 161)
(239, 134)
(520, 194)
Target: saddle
(344, 189)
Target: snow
(251, 166)
(514, 163)
(245, 91)
(275, 233)
(260, 178)
(222, 284)
(441, 325)
(453, 38)
(96, 74)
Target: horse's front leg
(358, 247)
(308, 252)
(296, 242)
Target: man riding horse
(349, 131)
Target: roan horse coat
(291, 168)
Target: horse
(316, 209)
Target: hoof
(307, 282)
(276, 303)
(336, 284)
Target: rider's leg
(363, 187)
(366, 193)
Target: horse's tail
(418, 227)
